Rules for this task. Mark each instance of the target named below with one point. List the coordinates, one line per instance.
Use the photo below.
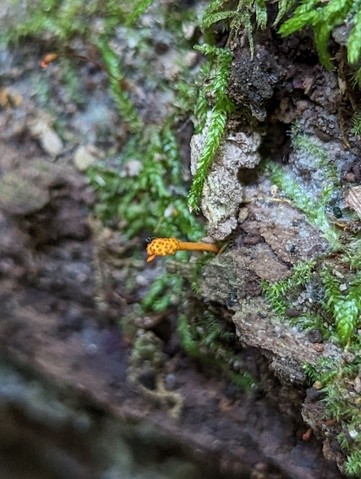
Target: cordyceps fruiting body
(166, 246)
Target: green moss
(356, 124)
(277, 293)
(208, 340)
(62, 19)
(137, 8)
(352, 255)
(213, 104)
(217, 117)
(250, 15)
(122, 100)
(311, 198)
(341, 403)
(338, 307)
(323, 17)
(314, 209)
(344, 302)
(333, 285)
(339, 299)
(247, 14)
(155, 199)
(353, 463)
(156, 300)
(335, 310)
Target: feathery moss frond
(323, 18)
(123, 102)
(331, 15)
(302, 16)
(246, 22)
(222, 59)
(324, 371)
(217, 127)
(354, 39)
(352, 255)
(314, 210)
(284, 6)
(138, 7)
(215, 5)
(345, 306)
(353, 464)
(356, 124)
(237, 16)
(217, 17)
(276, 292)
(205, 338)
(261, 13)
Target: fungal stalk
(166, 246)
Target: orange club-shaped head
(47, 59)
(161, 247)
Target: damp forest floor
(67, 405)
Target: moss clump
(340, 383)
(208, 340)
(155, 199)
(62, 20)
(343, 301)
(323, 18)
(337, 309)
(122, 100)
(333, 286)
(276, 293)
(250, 14)
(152, 198)
(356, 124)
(325, 293)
